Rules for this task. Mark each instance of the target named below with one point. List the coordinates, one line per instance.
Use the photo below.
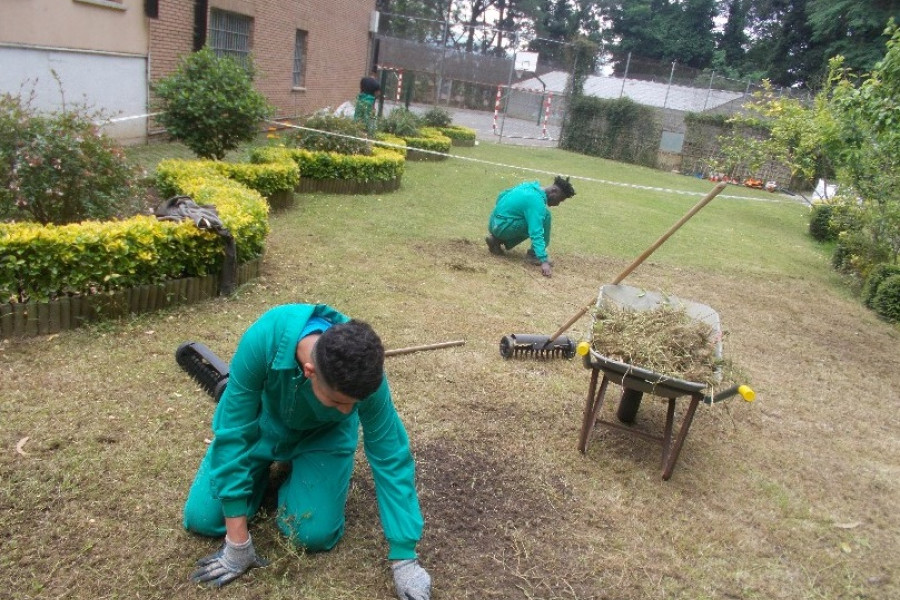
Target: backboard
(525, 62)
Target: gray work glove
(226, 565)
(411, 580)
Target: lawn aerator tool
(204, 367)
(536, 346)
(211, 372)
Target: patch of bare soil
(498, 522)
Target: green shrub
(886, 301)
(877, 276)
(401, 122)
(856, 253)
(59, 168)
(820, 223)
(437, 117)
(40, 262)
(12, 119)
(321, 141)
(266, 178)
(210, 104)
(430, 139)
(392, 142)
(383, 165)
(458, 133)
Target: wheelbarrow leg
(591, 409)
(670, 455)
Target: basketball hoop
(525, 62)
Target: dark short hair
(564, 186)
(350, 359)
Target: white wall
(115, 84)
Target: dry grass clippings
(665, 340)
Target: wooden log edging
(347, 186)
(31, 319)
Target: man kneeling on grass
(523, 212)
(302, 381)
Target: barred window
(300, 59)
(229, 34)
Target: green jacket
(268, 408)
(522, 212)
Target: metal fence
(423, 69)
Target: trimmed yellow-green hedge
(268, 177)
(40, 262)
(383, 165)
(459, 135)
(430, 139)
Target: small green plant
(322, 140)
(210, 104)
(886, 301)
(401, 122)
(820, 223)
(877, 276)
(59, 168)
(437, 117)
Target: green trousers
(311, 500)
(513, 232)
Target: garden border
(30, 319)
(347, 186)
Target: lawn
(791, 497)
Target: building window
(229, 35)
(300, 59)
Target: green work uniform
(269, 413)
(364, 112)
(521, 213)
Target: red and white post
(399, 84)
(546, 114)
(497, 106)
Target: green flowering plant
(59, 167)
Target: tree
(853, 29)
(867, 114)
(664, 30)
(415, 20)
(561, 22)
(210, 104)
(733, 40)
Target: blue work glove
(411, 580)
(226, 565)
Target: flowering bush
(59, 168)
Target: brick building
(107, 53)
(308, 55)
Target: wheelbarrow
(636, 381)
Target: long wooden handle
(646, 253)
(412, 349)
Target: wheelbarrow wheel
(629, 405)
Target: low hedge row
(459, 135)
(42, 262)
(430, 139)
(384, 164)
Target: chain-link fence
(420, 65)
